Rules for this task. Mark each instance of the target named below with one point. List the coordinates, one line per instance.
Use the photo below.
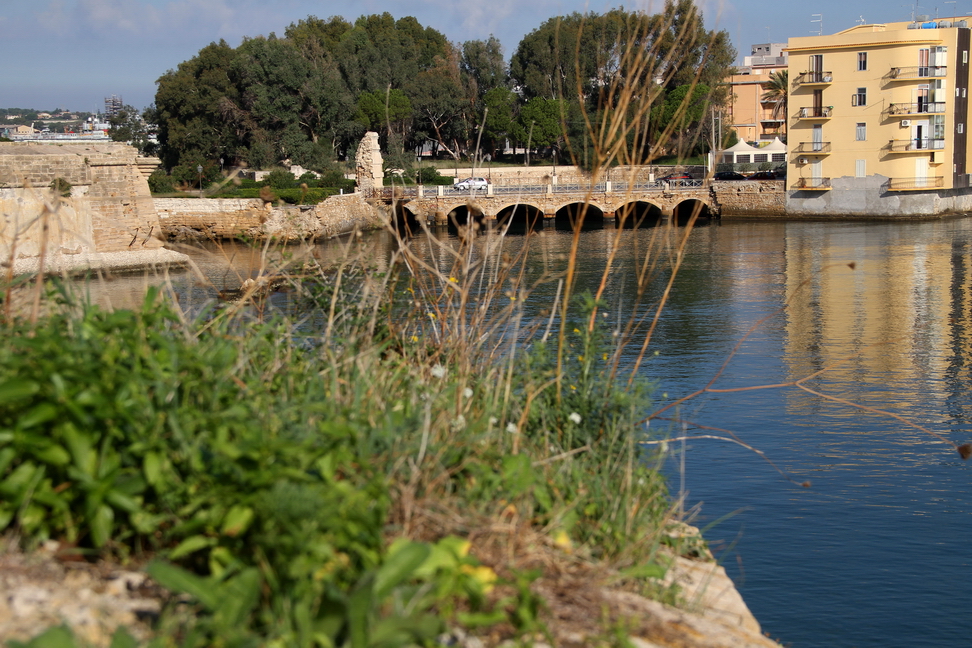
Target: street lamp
(199, 171)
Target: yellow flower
(453, 280)
(562, 540)
(483, 575)
(574, 387)
(431, 315)
(577, 331)
(414, 338)
(580, 358)
(605, 356)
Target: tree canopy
(309, 95)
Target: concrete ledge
(114, 261)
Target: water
(875, 552)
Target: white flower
(459, 423)
(511, 428)
(574, 418)
(467, 392)
(439, 371)
(493, 420)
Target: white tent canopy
(743, 153)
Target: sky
(72, 54)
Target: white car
(471, 183)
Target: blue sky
(73, 53)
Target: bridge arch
(684, 211)
(404, 219)
(567, 215)
(466, 216)
(520, 218)
(637, 214)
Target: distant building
(754, 119)
(113, 106)
(878, 119)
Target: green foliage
(280, 179)
(61, 187)
(160, 182)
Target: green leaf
(54, 455)
(190, 545)
(237, 520)
(101, 524)
(122, 639)
(399, 566)
(239, 596)
(648, 570)
(56, 637)
(14, 390)
(41, 413)
(518, 474)
(179, 580)
(152, 466)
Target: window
(861, 61)
(965, 56)
(860, 168)
(761, 157)
(861, 132)
(860, 98)
(742, 159)
(960, 128)
(779, 157)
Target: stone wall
(750, 198)
(109, 208)
(869, 198)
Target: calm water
(876, 551)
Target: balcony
(914, 145)
(811, 184)
(814, 78)
(916, 72)
(915, 184)
(812, 148)
(920, 108)
(814, 112)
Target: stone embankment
(70, 207)
(225, 218)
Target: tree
(127, 125)
(777, 91)
(440, 104)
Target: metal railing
(814, 77)
(813, 184)
(918, 108)
(906, 184)
(431, 191)
(917, 72)
(917, 144)
(813, 148)
(814, 112)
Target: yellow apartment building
(877, 120)
(753, 119)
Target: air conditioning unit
(802, 160)
(905, 123)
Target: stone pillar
(368, 164)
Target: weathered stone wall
(225, 218)
(869, 198)
(750, 198)
(109, 208)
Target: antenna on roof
(861, 21)
(819, 19)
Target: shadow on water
(520, 219)
(590, 217)
(638, 214)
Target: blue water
(875, 552)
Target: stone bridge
(633, 205)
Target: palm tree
(778, 91)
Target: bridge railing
(431, 191)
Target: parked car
(471, 183)
(675, 176)
(764, 175)
(728, 175)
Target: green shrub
(160, 182)
(280, 179)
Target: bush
(160, 182)
(280, 179)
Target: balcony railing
(815, 112)
(811, 184)
(919, 108)
(813, 148)
(911, 145)
(916, 72)
(915, 184)
(809, 78)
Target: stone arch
(567, 215)
(684, 211)
(520, 218)
(637, 214)
(464, 217)
(404, 219)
